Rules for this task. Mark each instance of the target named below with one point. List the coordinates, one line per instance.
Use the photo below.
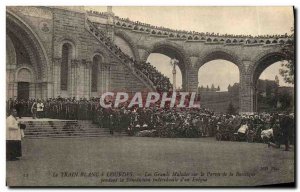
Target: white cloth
(13, 131)
(243, 129)
(40, 107)
(266, 133)
(22, 133)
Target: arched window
(95, 72)
(64, 72)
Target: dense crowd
(161, 82)
(133, 23)
(161, 122)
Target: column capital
(75, 62)
(57, 61)
(247, 66)
(88, 64)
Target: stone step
(65, 129)
(61, 128)
(65, 134)
(81, 136)
(78, 132)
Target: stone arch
(96, 65)
(25, 74)
(218, 53)
(264, 60)
(163, 47)
(172, 50)
(215, 54)
(100, 54)
(37, 53)
(63, 40)
(131, 43)
(261, 62)
(11, 56)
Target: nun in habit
(13, 137)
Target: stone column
(88, 78)
(81, 80)
(74, 78)
(192, 80)
(10, 81)
(15, 89)
(56, 76)
(32, 89)
(246, 89)
(107, 77)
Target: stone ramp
(45, 128)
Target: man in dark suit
(285, 128)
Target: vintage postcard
(150, 96)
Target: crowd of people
(161, 82)
(162, 122)
(137, 23)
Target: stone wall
(218, 101)
(55, 26)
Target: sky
(230, 20)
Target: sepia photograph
(150, 96)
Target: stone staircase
(65, 129)
(121, 56)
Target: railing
(212, 38)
